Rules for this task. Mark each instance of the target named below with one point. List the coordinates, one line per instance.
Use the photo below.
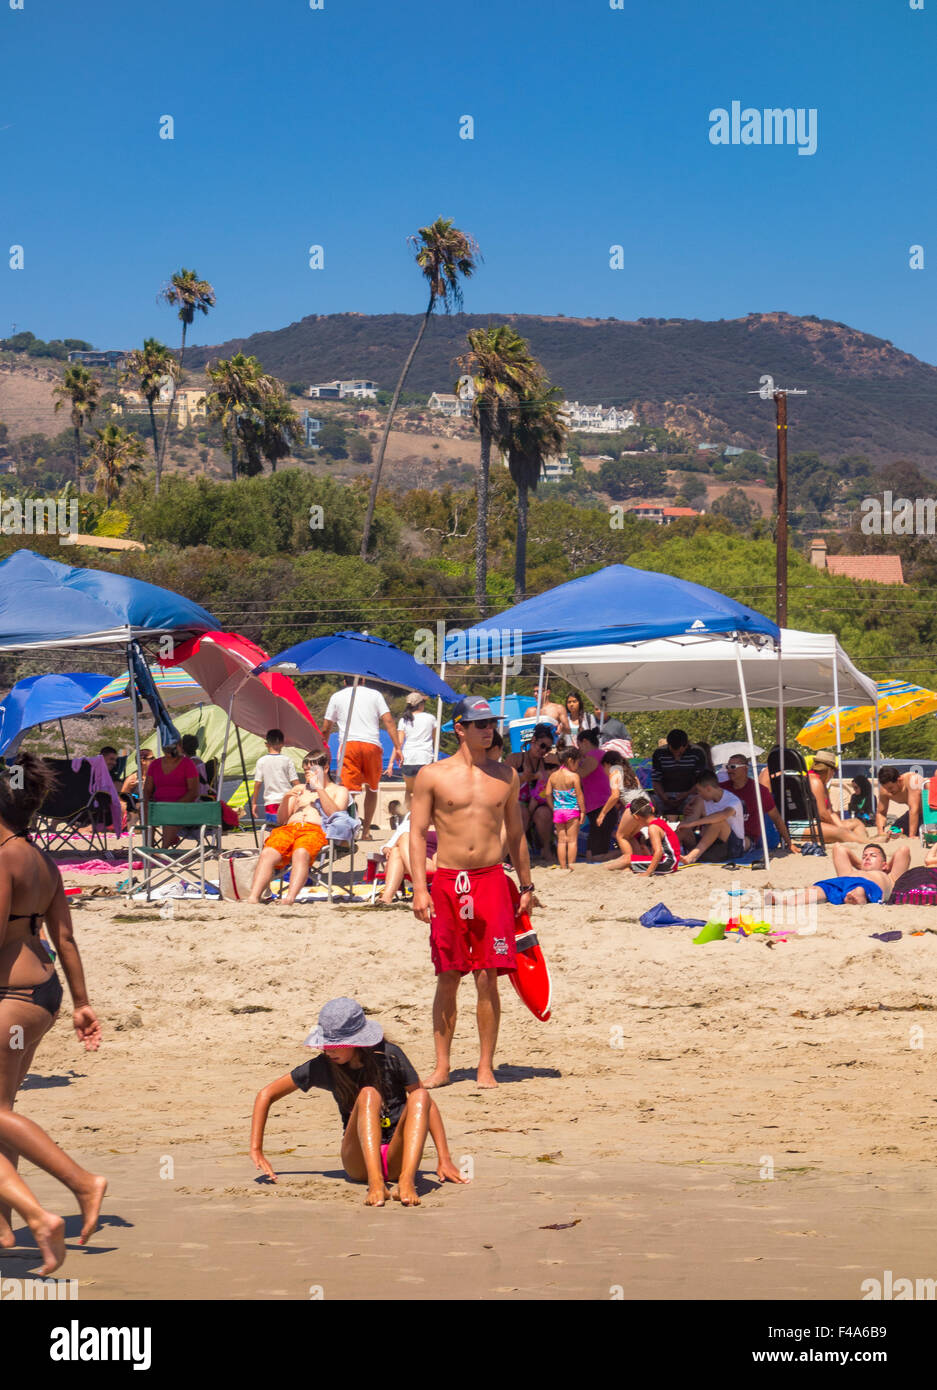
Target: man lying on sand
(873, 884)
(470, 798)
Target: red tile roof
(679, 511)
(881, 569)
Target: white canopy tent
(691, 672)
(687, 671)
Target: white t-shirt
(418, 738)
(365, 724)
(728, 801)
(276, 773)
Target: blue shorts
(837, 888)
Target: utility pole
(779, 394)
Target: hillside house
(879, 569)
(357, 388)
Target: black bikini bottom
(48, 995)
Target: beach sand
(731, 1120)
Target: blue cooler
(520, 731)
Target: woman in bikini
(31, 892)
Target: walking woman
(417, 729)
(31, 892)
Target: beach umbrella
(359, 655)
(898, 703)
(223, 664)
(44, 700)
(175, 687)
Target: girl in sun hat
(385, 1111)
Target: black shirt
(398, 1075)
(678, 775)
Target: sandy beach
(737, 1119)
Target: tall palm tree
(81, 390)
(240, 392)
(148, 368)
(538, 431)
(193, 296)
(115, 454)
(443, 254)
(501, 370)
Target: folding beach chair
(71, 817)
(794, 796)
(182, 861)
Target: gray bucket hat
(342, 1023)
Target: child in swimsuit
(386, 1113)
(635, 831)
(569, 807)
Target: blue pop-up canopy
(43, 700)
(616, 604)
(45, 604)
(514, 707)
(357, 654)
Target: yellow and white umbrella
(898, 703)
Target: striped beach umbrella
(898, 703)
(176, 689)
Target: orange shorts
(361, 766)
(287, 839)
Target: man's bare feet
(49, 1234)
(437, 1078)
(405, 1193)
(485, 1079)
(377, 1195)
(90, 1203)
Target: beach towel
(660, 915)
(97, 866)
(102, 781)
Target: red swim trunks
(472, 927)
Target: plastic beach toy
(713, 931)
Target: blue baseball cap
(472, 708)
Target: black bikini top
(33, 918)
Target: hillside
(865, 396)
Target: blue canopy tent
(45, 700)
(44, 604)
(362, 657)
(618, 604)
(511, 707)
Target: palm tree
(443, 254)
(149, 368)
(538, 432)
(114, 456)
(241, 392)
(192, 296)
(501, 370)
(81, 390)
(279, 428)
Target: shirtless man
(862, 876)
(469, 798)
(905, 788)
(298, 836)
(835, 830)
(549, 709)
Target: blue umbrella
(357, 654)
(44, 699)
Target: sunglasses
(731, 765)
(482, 723)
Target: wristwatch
(523, 888)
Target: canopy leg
(141, 805)
(442, 677)
(250, 799)
(839, 736)
(504, 692)
(751, 752)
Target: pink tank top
(174, 785)
(596, 789)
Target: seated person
(130, 788)
(718, 815)
(873, 884)
(397, 859)
(738, 781)
(636, 834)
(624, 786)
(298, 837)
(835, 829)
(110, 756)
(675, 770)
(190, 749)
(905, 788)
(862, 801)
(533, 778)
(173, 777)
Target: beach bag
(916, 886)
(236, 873)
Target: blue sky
(340, 127)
